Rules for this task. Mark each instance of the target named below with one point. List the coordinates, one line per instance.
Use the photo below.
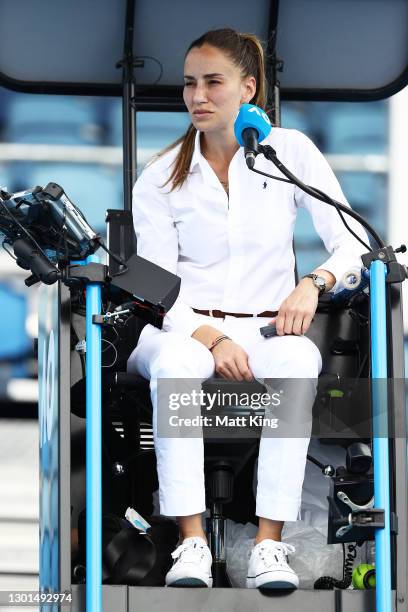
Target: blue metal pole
(93, 448)
(380, 433)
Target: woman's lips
(202, 113)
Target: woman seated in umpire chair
(227, 232)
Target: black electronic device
(268, 331)
(49, 220)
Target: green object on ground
(364, 576)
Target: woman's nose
(200, 94)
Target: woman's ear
(248, 89)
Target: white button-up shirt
(235, 253)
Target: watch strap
(314, 277)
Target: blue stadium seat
(293, 116)
(15, 342)
(7, 98)
(5, 175)
(357, 128)
(310, 250)
(367, 194)
(46, 119)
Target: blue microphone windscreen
(251, 116)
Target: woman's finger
(233, 368)
(298, 324)
(230, 371)
(288, 327)
(223, 372)
(243, 368)
(280, 323)
(306, 323)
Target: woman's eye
(214, 82)
(187, 84)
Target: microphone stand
(384, 269)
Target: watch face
(320, 282)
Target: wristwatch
(318, 282)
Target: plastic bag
(239, 542)
(312, 559)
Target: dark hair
(246, 52)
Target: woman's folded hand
(297, 311)
(231, 361)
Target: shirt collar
(197, 156)
(197, 152)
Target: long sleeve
(345, 250)
(157, 241)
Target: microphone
(251, 127)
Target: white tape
(351, 279)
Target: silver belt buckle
(210, 312)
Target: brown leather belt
(220, 314)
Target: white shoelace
(190, 551)
(275, 553)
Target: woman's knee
(172, 355)
(290, 356)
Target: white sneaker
(268, 567)
(192, 565)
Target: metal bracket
(346, 500)
(90, 273)
(371, 518)
(396, 272)
(385, 254)
(110, 318)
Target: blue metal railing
(379, 375)
(93, 448)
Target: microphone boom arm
(270, 154)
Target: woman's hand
(231, 361)
(297, 311)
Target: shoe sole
(189, 582)
(279, 584)
(253, 583)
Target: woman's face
(214, 89)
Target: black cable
(328, 582)
(332, 202)
(277, 178)
(335, 204)
(115, 257)
(316, 462)
(154, 59)
(125, 63)
(12, 217)
(62, 237)
(7, 251)
(270, 154)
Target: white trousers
(180, 461)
